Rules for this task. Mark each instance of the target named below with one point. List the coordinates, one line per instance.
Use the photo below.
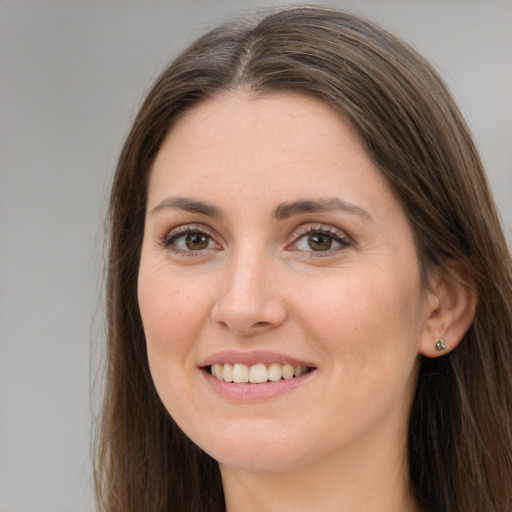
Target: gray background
(71, 76)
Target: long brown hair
(460, 433)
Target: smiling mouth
(257, 373)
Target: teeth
(240, 373)
(227, 372)
(218, 371)
(256, 374)
(287, 371)
(274, 372)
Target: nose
(250, 300)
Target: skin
(358, 313)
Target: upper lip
(252, 358)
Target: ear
(450, 310)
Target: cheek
(173, 312)
(367, 324)
(176, 310)
(367, 331)
(173, 309)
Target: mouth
(257, 373)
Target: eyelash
(319, 229)
(170, 239)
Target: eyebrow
(281, 212)
(189, 205)
(287, 210)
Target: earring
(440, 345)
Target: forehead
(289, 110)
(272, 138)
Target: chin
(257, 448)
(259, 460)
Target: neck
(371, 477)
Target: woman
(309, 294)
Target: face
(279, 286)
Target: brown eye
(190, 240)
(320, 242)
(197, 241)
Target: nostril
(248, 303)
(247, 320)
(262, 324)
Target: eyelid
(309, 227)
(336, 234)
(184, 229)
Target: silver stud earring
(440, 345)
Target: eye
(320, 239)
(187, 239)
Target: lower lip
(247, 392)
